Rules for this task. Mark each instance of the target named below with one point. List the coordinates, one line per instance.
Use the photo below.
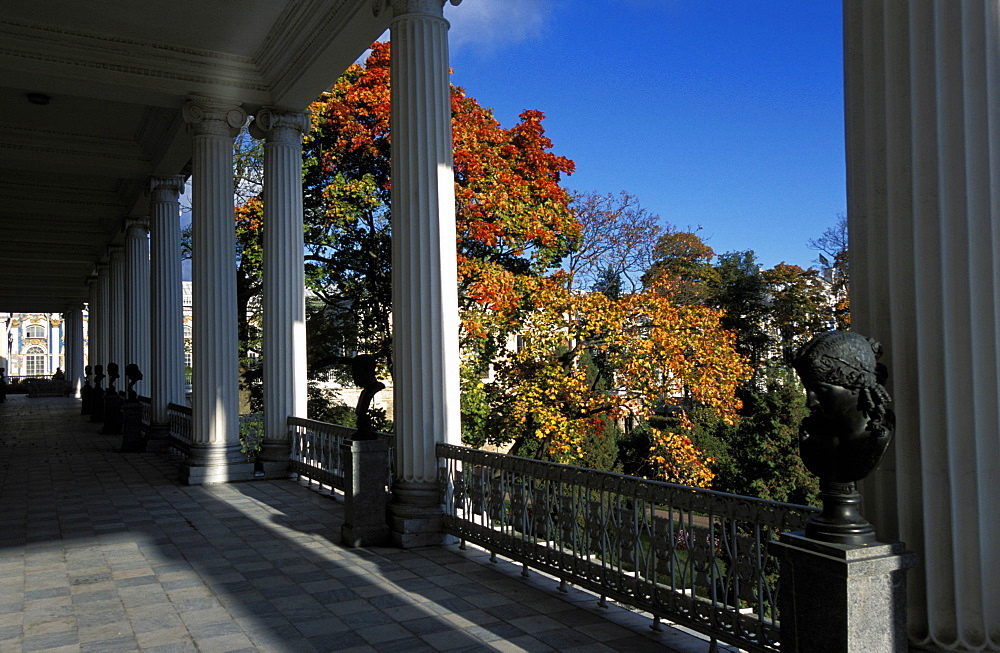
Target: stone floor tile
(50, 640)
(407, 612)
(449, 640)
(139, 561)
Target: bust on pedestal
(841, 589)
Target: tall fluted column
(165, 376)
(424, 267)
(137, 279)
(923, 114)
(116, 312)
(73, 321)
(103, 310)
(215, 455)
(92, 353)
(285, 384)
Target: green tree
(799, 307)
(682, 263)
(738, 289)
(761, 451)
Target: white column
(4, 351)
(165, 376)
(137, 318)
(92, 348)
(102, 310)
(216, 453)
(923, 118)
(284, 347)
(424, 269)
(116, 313)
(73, 330)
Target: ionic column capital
(116, 253)
(409, 7)
(207, 117)
(166, 189)
(280, 126)
(136, 227)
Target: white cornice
(61, 143)
(113, 59)
(314, 40)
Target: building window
(187, 359)
(34, 361)
(34, 331)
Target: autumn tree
(799, 307)
(654, 352)
(682, 262)
(512, 214)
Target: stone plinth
(840, 598)
(133, 440)
(112, 413)
(157, 437)
(366, 465)
(97, 406)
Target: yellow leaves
(677, 460)
(651, 353)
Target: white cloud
(488, 24)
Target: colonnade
(922, 124)
(135, 302)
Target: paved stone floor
(104, 551)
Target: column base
(842, 597)
(416, 515)
(215, 464)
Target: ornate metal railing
(180, 428)
(316, 451)
(146, 405)
(696, 557)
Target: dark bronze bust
(134, 375)
(363, 372)
(848, 429)
(112, 377)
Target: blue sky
(723, 114)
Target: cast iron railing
(146, 405)
(696, 557)
(316, 451)
(180, 428)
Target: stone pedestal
(840, 598)
(132, 436)
(366, 465)
(97, 406)
(157, 437)
(112, 414)
(86, 400)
